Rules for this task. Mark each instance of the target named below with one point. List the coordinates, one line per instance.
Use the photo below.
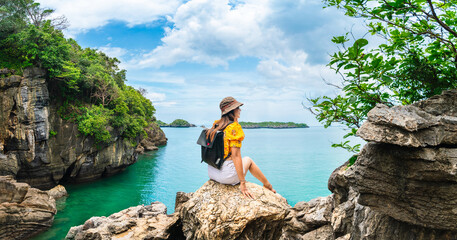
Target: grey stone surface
(57, 192)
(218, 211)
(307, 219)
(413, 185)
(139, 222)
(432, 122)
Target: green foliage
(352, 160)
(180, 122)
(86, 82)
(12, 18)
(52, 133)
(349, 148)
(417, 60)
(95, 122)
(160, 123)
(44, 47)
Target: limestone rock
(218, 211)
(140, 222)
(351, 220)
(24, 211)
(148, 145)
(30, 154)
(181, 198)
(139, 149)
(57, 192)
(370, 224)
(322, 233)
(431, 122)
(155, 137)
(417, 186)
(307, 217)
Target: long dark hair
(221, 124)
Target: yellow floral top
(233, 136)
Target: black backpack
(213, 151)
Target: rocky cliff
(215, 211)
(403, 184)
(140, 222)
(24, 211)
(32, 155)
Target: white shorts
(226, 175)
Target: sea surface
(298, 162)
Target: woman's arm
(236, 157)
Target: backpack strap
(230, 153)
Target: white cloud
(114, 52)
(155, 97)
(213, 32)
(89, 14)
(289, 38)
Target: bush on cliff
(87, 83)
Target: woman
(234, 169)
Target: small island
(278, 125)
(176, 123)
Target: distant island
(176, 123)
(273, 125)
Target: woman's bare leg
(249, 164)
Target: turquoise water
(298, 162)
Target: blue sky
(188, 55)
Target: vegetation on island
(88, 85)
(418, 59)
(272, 125)
(175, 123)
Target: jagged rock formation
(24, 211)
(32, 155)
(218, 211)
(215, 211)
(140, 222)
(155, 137)
(57, 192)
(403, 184)
(309, 220)
(427, 123)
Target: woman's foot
(269, 187)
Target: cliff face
(404, 182)
(28, 152)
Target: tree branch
(439, 21)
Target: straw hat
(228, 104)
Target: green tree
(180, 122)
(15, 15)
(95, 122)
(86, 82)
(417, 60)
(12, 18)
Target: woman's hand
(245, 191)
